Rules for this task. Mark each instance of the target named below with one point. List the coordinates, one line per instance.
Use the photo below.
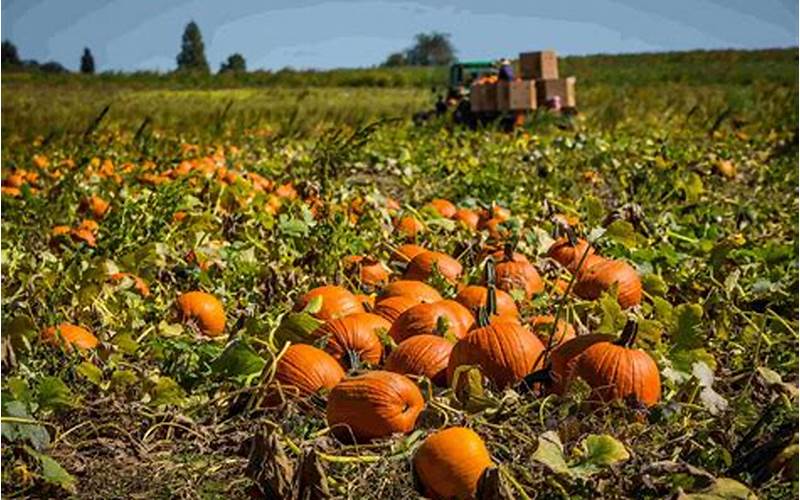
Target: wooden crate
(564, 88)
(522, 95)
(504, 96)
(541, 65)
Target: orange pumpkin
(368, 301)
(445, 318)
(515, 272)
(392, 307)
(594, 280)
(422, 267)
(568, 254)
(371, 272)
(542, 327)
(450, 462)
(407, 251)
(72, 336)
(616, 370)
(443, 207)
(305, 370)
(96, 205)
(565, 355)
(421, 292)
(473, 297)
(504, 351)
(467, 217)
(206, 309)
(336, 302)
(421, 355)
(409, 226)
(138, 283)
(354, 335)
(374, 405)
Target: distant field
(647, 86)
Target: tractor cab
(462, 74)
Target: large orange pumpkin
(421, 355)
(515, 272)
(422, 292)
(422, 267)
(450, 462)
(564, 357)
(445, 318)
(392, 307)
(204, 308)
(354, 335)
(504, 351)
(473, 297)
(336, 302)
(71, 336)
(374, 405)
(594, 280)
(306, 370)
(616, 370)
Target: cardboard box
(564, 88)
(522, 95)
(483, 97)
(504, 96)
(538, 65)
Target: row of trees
(432, 49)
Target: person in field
(506, 72)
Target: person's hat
(504, 61)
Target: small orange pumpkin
(392, 307)
(307, 370)
(409, 226)
(569, 254)
(421, 355)
(71, 336)
(421, 292)
(467, 217)
(594, 280)
(336, 302)
(445, 318)
(374, 405)
(542, 327)
(422, 267)
(371, 272)
(206, 309)
(616, 370)
(96, 205)
(450, 462)
(515, 272)
(473, 297)
(407, 251)
(354, 334)
(443, 208)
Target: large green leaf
(53, 393)
(550, 452)
(238, 360)
(23, 427)
(53, 472)
(686, 331)
(600, 451)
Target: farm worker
(441, 105)
(506, 72)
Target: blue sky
(271, 34)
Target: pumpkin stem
(628, 336)
(483, 317)
(543, 376)
(573, 240)
(491, 294)
(508, 250)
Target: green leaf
(238, 359)
(122, 379)
(686, 333)
(683, 360)
(600, 451)
(91, 372)
(613, 319)
(53, 393)
(170, 329)
(166, 392)
(550, 452)
(126, 343)
(297, 328)
(33, 432)
(52, 472)
(692, 187)
(663, 310)
(593, 208)
(19, 389)
(723, 489)
(622, 232)
(654, 284)
(314, 305)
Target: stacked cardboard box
(483, 97)
(540, 83)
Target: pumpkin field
(288, 289)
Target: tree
(234, 64)
(395, 59)
(432, 49)
(192, 56)
(87, 62)
(10, 56)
